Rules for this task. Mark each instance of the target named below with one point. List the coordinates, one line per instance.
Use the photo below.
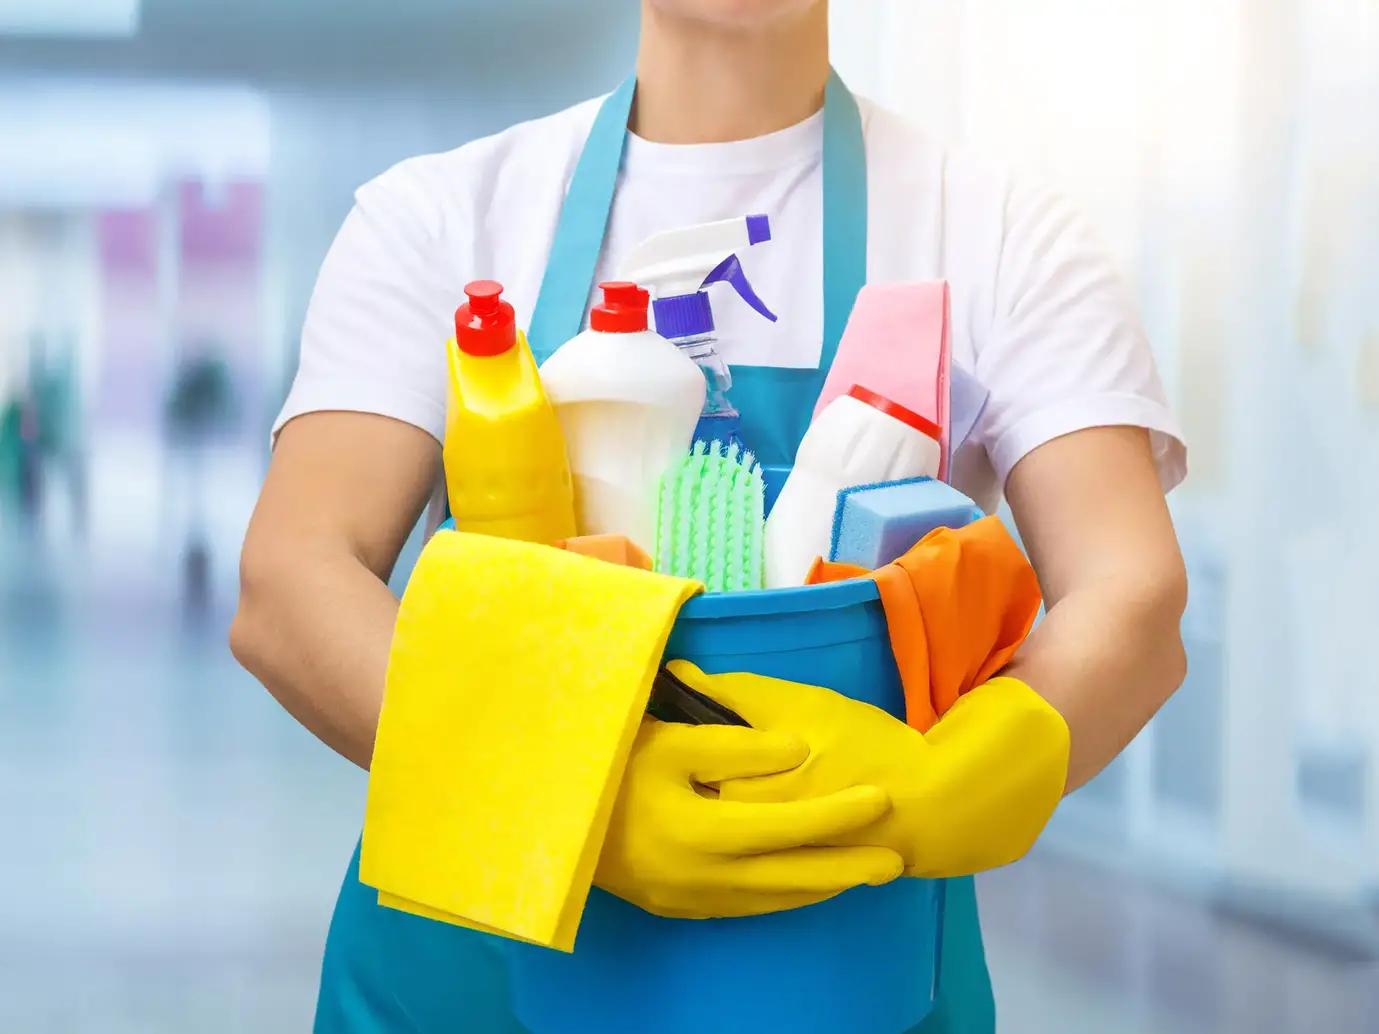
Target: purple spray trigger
(730, 271)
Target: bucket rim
(714, 606)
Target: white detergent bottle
(628, 401)
(860, 438)
(679, 266)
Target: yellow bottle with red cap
(506, 469)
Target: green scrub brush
(711, 517)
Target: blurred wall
(346, 90)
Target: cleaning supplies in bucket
(506, 471)
(862, 438)
(628, 401)
(710, 519)
(611, 549)
(679, 266)
(897, 342)
(875, 525)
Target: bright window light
(69, 17)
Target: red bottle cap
(895, 409)
(623, 310)
(485, 325)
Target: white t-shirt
(1040, 316)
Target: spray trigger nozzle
(730, 271)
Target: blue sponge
(876, 524)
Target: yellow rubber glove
(972, 794)
(676, 850)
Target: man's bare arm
(315, 616)
(1109, 651)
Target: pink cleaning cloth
(896, 344)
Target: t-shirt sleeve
(379, 317)
(1066, 350)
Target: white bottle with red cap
(628, 401)
(860, 438)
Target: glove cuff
(1004, 749)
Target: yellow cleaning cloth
(516, 684)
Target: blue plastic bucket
(865, 962)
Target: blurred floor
(174, 843)
(1076, 949)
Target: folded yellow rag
(516, 684)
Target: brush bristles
(710, 519)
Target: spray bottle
(677, 267)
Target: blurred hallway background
(171, 173)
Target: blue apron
(387, 971)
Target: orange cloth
(615, 549)
(958, 605)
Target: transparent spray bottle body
(687, 320)
(720, 420)
(703, 349)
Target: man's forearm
(1106, 659)
(317, 634)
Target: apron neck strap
(569, 277)
(845, 213)
(570, 268)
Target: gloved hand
(970, 795)
(674, 849)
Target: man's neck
(699, 84)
